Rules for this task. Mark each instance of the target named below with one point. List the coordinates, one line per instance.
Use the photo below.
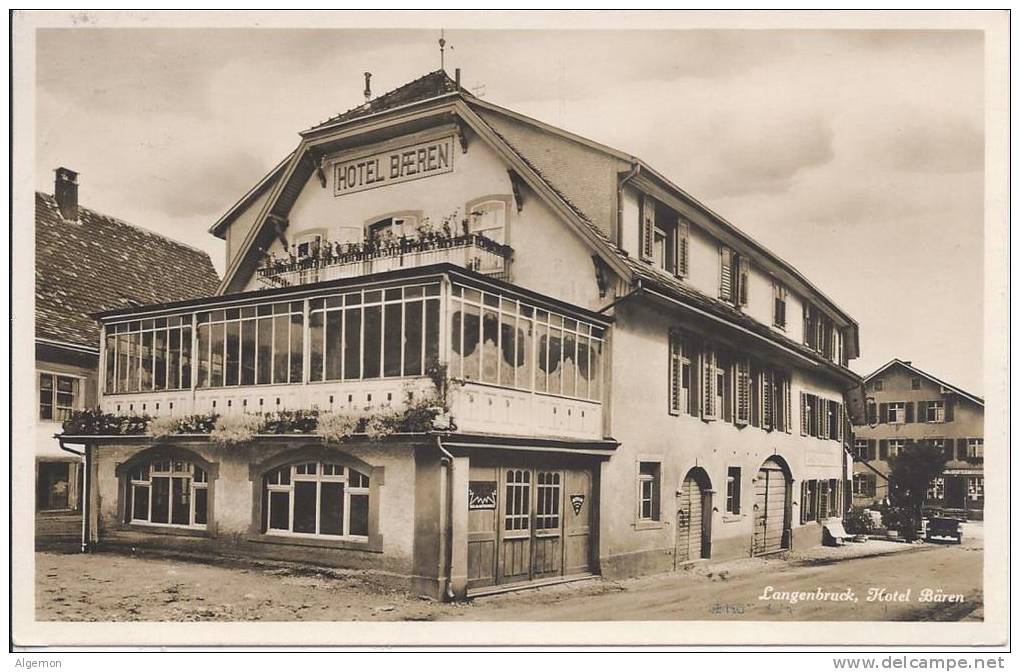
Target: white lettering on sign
(413, 162)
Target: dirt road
(113, 587)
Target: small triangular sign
(577, 501)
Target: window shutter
(683, 244)
(675, 366)
(883, 449)
(647, 228)
(708, 383)
(803, 415)
(803, 501)
(961, 449)
(745, 273)
(910, 411)
(950, 407)
(839, 422)
(725, 273)
(883, 413)
(768, 397)
(871, 449)
(743, 410)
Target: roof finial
(442, 49)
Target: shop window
(316, 499)
(58, 396)
(648, 490)
(168, 492)
(733, 490)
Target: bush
(335, 427)
(234, 429)
(858, 521)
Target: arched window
(168, 492)
(316, 498)
(489, 219)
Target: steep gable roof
(98, 263)
(913, 369)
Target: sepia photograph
(641, 328)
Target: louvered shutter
(725, 273)
(743, 410)
(745, 273)
(708, 384)
(767, 399)
(675, 369)
(647, 228)
(910, 411)
(871, 449)
(683, 247)
(839, 422)
(787, 405)
(803, 501)
(804, 417)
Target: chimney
(456, 77)
(368, 86)
(66, 192)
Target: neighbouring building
(86, 262)
(634, 383)
(905, 406)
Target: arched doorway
(693, 518)
(772, 490)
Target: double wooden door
(771, 509)
(535, 524)
(690, 523)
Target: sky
(856, 156)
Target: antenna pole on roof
(442, 49)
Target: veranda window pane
(181, 514)
(159, 357)
(279, 510)
(541, 354)
(111, 362)
(145, 355)
(331, 508)
(392, 339)
(265, 351)
(134, 361)
(304, 506)
(297, 347)
(412, 338)
(334, 344)
(233, 353)
(203, 355)
(173, 359)
(525, 352)
(352, 343)
(281, 348)
(315, 345)
(569, 364)
(359, 515)
(186, 357)
(508, 346)
(373, 341)
(490, 346)
(161, 500)
(595, 379)
(216, 355)
(141, 503)
(248, 352)
(123, 347)
(201, 505)
(470, 348)
(431, 331)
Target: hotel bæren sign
(411, 162)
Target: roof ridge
(367, 105)
(133, 227)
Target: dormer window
(664, 238)
(734, 270)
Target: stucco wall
(549, 257)
(641, 422)
(232, 501)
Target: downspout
(447, 461)
(85, 490)
(635, 169)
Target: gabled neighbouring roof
(910, 367)
(99, 263)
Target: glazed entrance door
(517, 529)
